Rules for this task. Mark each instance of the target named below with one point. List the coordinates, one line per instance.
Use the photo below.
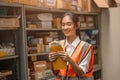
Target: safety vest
(77, 57)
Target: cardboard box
(101, 3)
(47, 40)
(74, 8)
(38, 65)
(56, 23)
(80, 3)
(82, 18)
(45, 17)
(38, 48)
(33, 58)
(24, 1)
(37, 41)
(50, 3)
(117, 2)
(8, 51)
(5, 73)
(40, 17)
(41, 3)
(9, 1)
(111, 3)
(46, 24)
(9, 22)
(90, 24)
(75, 2)
(89, 18)
(33, 2)
(38, 75)
(64, 4)
(89, 6)
(83, 25)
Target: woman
(78, 54)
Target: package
(38, 75)
(24, 1)
(39, 65)
(58, 63)
(46, 24)
(37, 41)
(50, 3)
(41, 3)
(89, 6)
(101, 3)
(57, 23)
(90, 24)
(83, 25)
(9, 22)
(64, 4)
(47, 40)
(4, 73)
(89, 19)
(9, 0)
(7, 52)
(33, 2)
(35, 48)
(45, 16)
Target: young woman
(78, 54)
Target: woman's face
(68, 27)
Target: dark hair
(75, 20)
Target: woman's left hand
(64, 56)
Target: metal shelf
(41, 29)
(53, 29)
(36, 8)
(37, 54)
(85, 13)
(10, 4)
(87, 28)
(8, 57)
(10, 28)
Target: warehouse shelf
(10, 4)
(40, 29)
(37, 54)
(53, 29)
(87, 28)
(23, 32)
(34, 8)
(8, 57)
(10, 28)
(85, 13)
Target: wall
(110, 43)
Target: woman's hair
(75, 20)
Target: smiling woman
(78, 54)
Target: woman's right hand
(52, 56)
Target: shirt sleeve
(85, 62)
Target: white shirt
(71, 47)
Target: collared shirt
(71, 47)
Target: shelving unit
(11, 35)
(22, 36)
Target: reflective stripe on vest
(77, 59)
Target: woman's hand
(52, 56)
(64, 56)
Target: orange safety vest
(76, 56)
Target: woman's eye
(69, 24)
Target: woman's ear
(78, 24)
